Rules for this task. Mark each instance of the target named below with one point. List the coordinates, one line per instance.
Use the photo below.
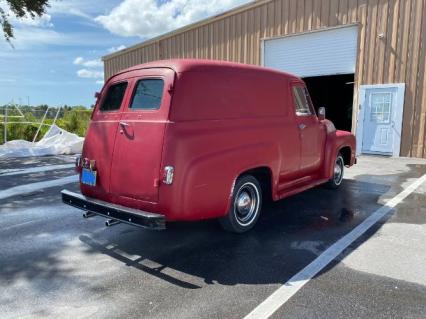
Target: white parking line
(28, 188)
(16, 225)
(9, 172)
(295, 283)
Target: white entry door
(381, 107)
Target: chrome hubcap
(338, 171)
(246, 204)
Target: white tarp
(55, 142)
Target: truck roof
(185, 65)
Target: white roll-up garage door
(324, 52)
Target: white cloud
(90, 74)
(92, 70)
(74, 12)
(115, 49)
(80, 8)
(93, 63)
(78, 60)
(148, 18)
(88, 63)
(30, 37)
(42, 22)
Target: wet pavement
(54, 263)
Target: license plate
(88, 177)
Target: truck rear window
(148, 94)
(114, 97)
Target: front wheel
(245, 206)
(339, 167)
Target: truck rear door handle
(302, 126)
(124, 124)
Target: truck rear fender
(203, 183)
(265, 177)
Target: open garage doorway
(335, 93)
(314, 56)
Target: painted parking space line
(17, 218)
(10, 172)
(28, 188)
(295, 283)
(17, 225)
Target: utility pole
(28, 100)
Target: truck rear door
(135, 170)
(101, 134)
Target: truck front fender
(335, 142)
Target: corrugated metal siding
(397, 57)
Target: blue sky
(56, 58)
(41, 64)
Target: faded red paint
(217, 120)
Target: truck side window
(114, 97)
(302, 101)
(148, 94)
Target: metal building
(364, 60)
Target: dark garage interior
(335, 93)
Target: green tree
(20, 9)
(74, 119)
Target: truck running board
(112, 211)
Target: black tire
(245, 206)
(338, 172)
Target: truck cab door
(312, 132)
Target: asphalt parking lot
(54, 263)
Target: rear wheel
(339, 167)
(245, 206)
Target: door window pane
(381, 107)
(114, 97)
(148, 94)
(302, 101)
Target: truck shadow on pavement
(51, 256)
(289, 235)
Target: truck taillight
(168, 175)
